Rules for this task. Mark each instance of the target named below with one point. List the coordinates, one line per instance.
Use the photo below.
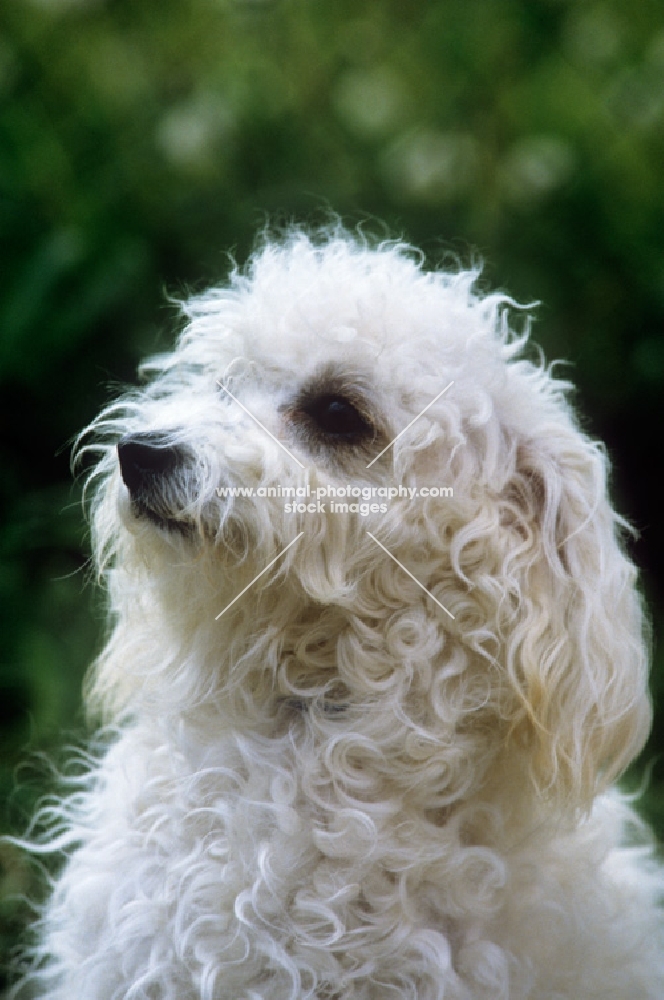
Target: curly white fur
(337, 790)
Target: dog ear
(576, 649)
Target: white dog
(364, 741)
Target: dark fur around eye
(337, 418)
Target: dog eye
(337, 417)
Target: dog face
(497, 618)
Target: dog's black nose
(144, 458)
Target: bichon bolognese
(377, 656)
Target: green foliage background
(142, 139)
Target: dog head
(256, 549)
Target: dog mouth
(151, 467)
